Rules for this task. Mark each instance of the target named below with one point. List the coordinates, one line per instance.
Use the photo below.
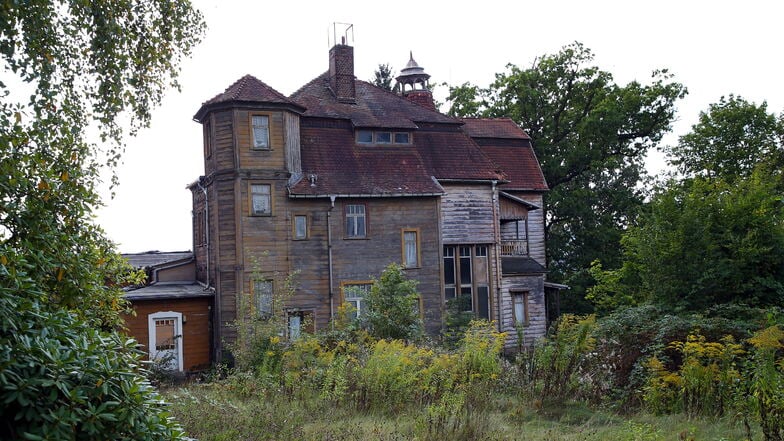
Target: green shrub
(393, 306)
(704, 383)
(764, 382)
(60, 378)
(554, 367)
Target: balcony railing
(514, 247)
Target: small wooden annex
(172, 312)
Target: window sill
(356, 238)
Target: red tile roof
(374, 107)
(439, 148)
(247, 89)
(342, 168)
(510, 147)
(504, 128)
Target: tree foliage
(383, 76)
(393, 306)
(703, 242)
(590, 135)
(730, 141)
(76, 76)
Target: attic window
(364, 136)
(401, 138)
(383, 137)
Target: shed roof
(175, 290)
(514, 265)
(157, 258)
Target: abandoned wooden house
(342, 178)
(339, 180)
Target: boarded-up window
(164, 334)
(207, 139)
(261, 201)
(260, 128)
(262, 297)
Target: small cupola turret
(412, 83)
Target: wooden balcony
(514, 247)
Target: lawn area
(241, 409)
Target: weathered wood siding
(256, 159)
(292, 152)
(536, 243)
(467, 214)
(511, 209)
(195, 327)
(365, 259)
(222, 152)
(537, 319)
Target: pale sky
(713, 47)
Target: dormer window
(364, 136)
(402, 138)
(382, 137)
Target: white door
(166, 339)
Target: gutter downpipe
(497, 247)
(329, 252)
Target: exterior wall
(537, 319)
(195, 327)
(178, 273)
(274, 158)
(365, 259)
(467, 214)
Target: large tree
(702, 242)
(383, 76)
(730, 140)
(591, 136)
(76, 77)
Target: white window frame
(349, 290)
(178, 334)
(352, 218)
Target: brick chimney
(341, 73)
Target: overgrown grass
(235, 410)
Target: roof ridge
(243, 82)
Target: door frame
(178, 336)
